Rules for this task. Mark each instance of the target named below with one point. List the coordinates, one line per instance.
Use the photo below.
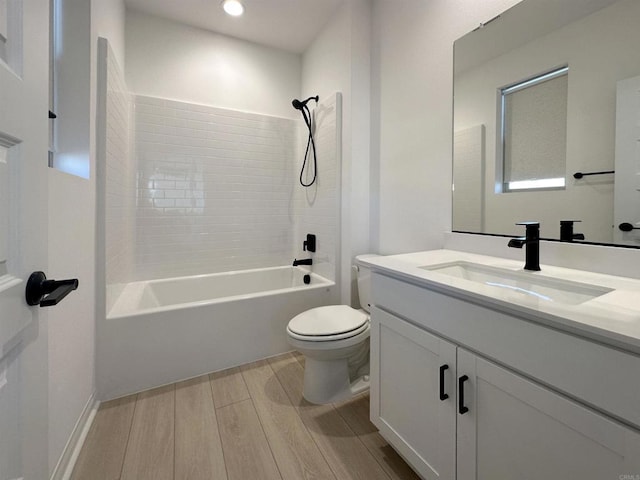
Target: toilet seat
(329, 323)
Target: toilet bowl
(335, 343)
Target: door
(515, 428)
(24, 64)
(627, 177)
(413, 393)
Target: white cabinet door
(515, 428)
(413, 393)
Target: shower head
(306, 114)
(299, 105)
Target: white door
(627, 176)
(413, 394)
(517, 429)
(24, 64)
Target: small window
(533, 132)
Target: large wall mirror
(547, 90)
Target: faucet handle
(310, 243)
(566, 231)
(532, 229)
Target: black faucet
(566, 231)
(532, 244)
(306, 261)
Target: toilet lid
(329, 320)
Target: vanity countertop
(612, 318)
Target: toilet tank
(364, 281)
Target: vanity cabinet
(491, 414)
(412, 372)
(516, 428)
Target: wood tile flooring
(245, 423)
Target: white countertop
(612, 318)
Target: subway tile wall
(317, 207)
(215, 189)
(205, 190)
(120, 178)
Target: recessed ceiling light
(233, 7)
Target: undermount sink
(521, 283)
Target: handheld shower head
(299, 105)
(306, 114)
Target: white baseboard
(67, 460)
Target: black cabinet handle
(47, 293)
(461, 407)
(443, 395)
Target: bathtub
(161, 331)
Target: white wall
(339, 61)
(169, 60)
(72, 238)
(108, 21)
(412, 68)
(71, 235)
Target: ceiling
(520, 24)
(289, 25)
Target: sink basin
(521, 283)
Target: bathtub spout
(306, 261)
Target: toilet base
(328, 381)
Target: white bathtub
(162, 331)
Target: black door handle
(443, 395)
(46, 293)
(462, 409)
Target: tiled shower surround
(192, 189)
(214, 189)
(317, 207)
(120, 172)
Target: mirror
(499, 117)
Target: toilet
(335, 343)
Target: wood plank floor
(245, 423)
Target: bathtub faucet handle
(309, 245)
(306, 261)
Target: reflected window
(533, 132)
